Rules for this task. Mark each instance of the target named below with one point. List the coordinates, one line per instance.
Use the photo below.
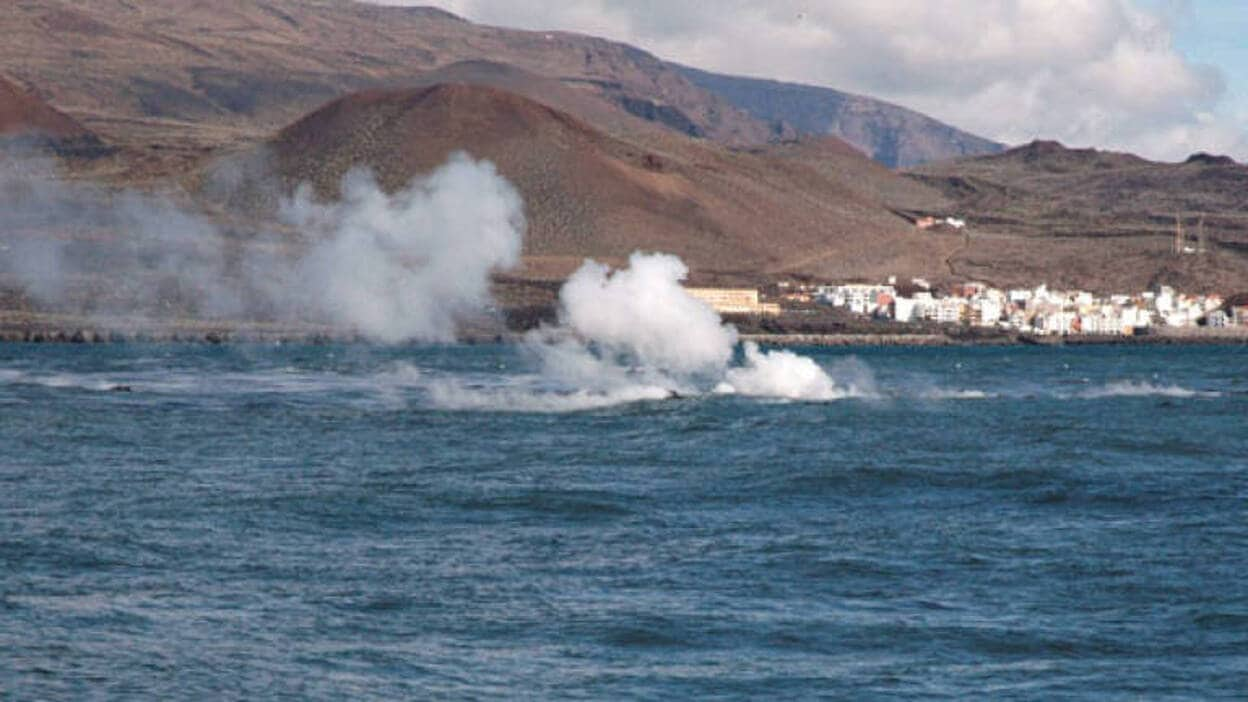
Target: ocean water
(355, 522)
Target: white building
(1136, 318)
(1164, 300)
(859, 298)
(1056, 322)
(904, 309)
(988, 311)
(950, 310)
(1101, 323)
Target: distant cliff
(892, 135)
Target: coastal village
(1036, 311)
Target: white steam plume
(637, 334)
(642, 312)
(783, 374)
(113, 252)
(406, 266)
(640, 326)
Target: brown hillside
(185, 74)
(25, 117)
(587, 106)
(1099, 219)
(841, 162)
(22, 112)
(600, 144)
(587, 193)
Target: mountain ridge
(176, 86)
(593, 194)
(894, 135)
(185, 75)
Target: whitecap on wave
(72, 381)
(1129, 388)
(958, 394)
(525, 396)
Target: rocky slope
(731, 214)
(1100, 219)
(28, 121)
(890, 134)
(185, 74)
(613, 148)
(174, 71)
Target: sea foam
(1129, 388)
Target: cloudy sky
(1163, 78)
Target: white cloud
(1088, 72)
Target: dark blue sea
(345, 522)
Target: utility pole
(1178, 235)
(1200, 235)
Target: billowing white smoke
(643, 314)
(401, 266)
(408, 265)
(397, 267)
(637, 333)
(782, 374)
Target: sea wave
(401, 384)
(955, 394)
(288, 380)
(73, 381)
(519, 396)
(1130, 388)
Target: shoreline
(955, 340)
(72, 329)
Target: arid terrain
(26, 120)
(1098, 219)
(612, 149)
(728, 213)
(180, 73)
(890, 134)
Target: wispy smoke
(79, 247)
(392, 267)
(409, 265)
